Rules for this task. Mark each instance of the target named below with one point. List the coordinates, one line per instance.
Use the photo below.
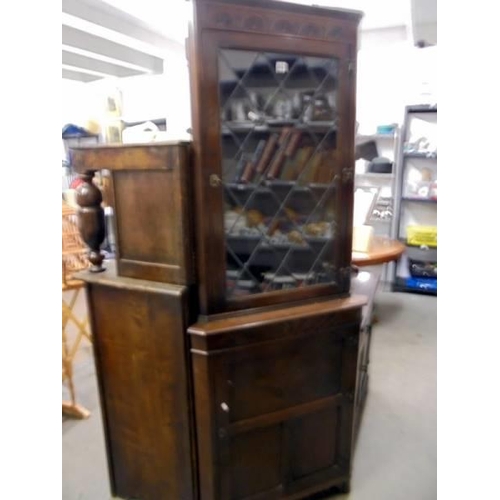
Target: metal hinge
(347, 175)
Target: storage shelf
(426, 286)
(416, 154)
(422, 108)
(420, 200)
(411, 208)
(375, 175)
(405, 241)
(380, 221)
(361, 139)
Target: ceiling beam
(89, 63)
(92, 43)
(111, 18)
(79, 77)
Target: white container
(362, 237)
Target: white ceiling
(121, 38)
(99, 39)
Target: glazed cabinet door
(276, 132)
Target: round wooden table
(382, 250)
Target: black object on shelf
(380, 165)
(366, 151)
(421, 269)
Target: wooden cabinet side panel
(153, 222)
(142, 368)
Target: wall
(144, 97)
(74, 102)
(392, 73)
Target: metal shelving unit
(415, 202)
(383, 183)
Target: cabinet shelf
(269, 186)
(230, 128)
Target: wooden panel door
(281, 414)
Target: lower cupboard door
(280, 460)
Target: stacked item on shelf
(416, 214)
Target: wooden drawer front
(274, 376)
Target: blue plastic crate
(424, 284)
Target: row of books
(285, 156)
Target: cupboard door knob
(224, 407)
(215, 180)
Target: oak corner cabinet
(228, 343)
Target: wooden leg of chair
(71, 408)
(74, 410)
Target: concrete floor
(396, 451)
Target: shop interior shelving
(415, 217)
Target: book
(267, 154)
(280, 156)
(302, 161)
(310, 170)
(284, 135)
(240, 167)
(293, 143)
(250, 167)
(276, 165)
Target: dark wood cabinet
(227, 342)
(274, 400)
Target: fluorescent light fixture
(85, 71)
(113, 36)
(100, 57)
